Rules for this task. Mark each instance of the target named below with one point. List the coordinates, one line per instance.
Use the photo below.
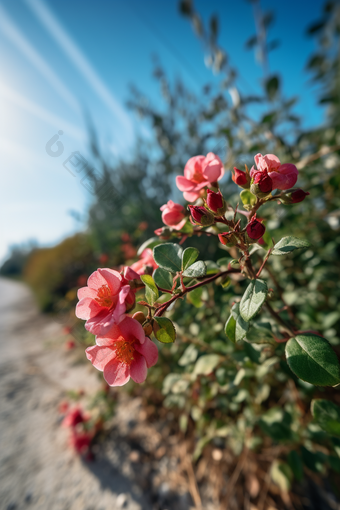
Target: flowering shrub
(260, 343)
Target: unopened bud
(147, 329)
(262, 184)
(241, 178)
(139, 316)
(215, 202)
(201, 215)
(255, 229)
(293, 196)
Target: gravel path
(37, 469)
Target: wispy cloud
(14, 34)
(41, 113)
(71, 49)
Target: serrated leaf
(327, 415)
(168, 256)
(189, 256)
(195, 270)
(313, 360)
(151, 291)
(189, 356)
(163, 278)
(288, 244)
(253, 299)
(167, 333)
(149, 243)
(206, 364)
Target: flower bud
(201, 215)
(255, 229)
(147, 329)
(163, 233)
(139, 316)
(241, 178)
(225, 238)
(262, 184)
(215, 202)
(294, 196)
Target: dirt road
(37, 469)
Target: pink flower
(282, 176)
(123, 352)
(73, 418)
(173, 215)
(80, 441)
(146, 260)
(199, 172)
(105, 300)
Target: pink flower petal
(285, 177)
(121, 306)
(184, 184)
(138, 368)
(213, 169)
(179, 225)
(193, 166)
(132, 330)
(149, 350)
(113, 278)
(86, 292)
(130, 274)
(96, 280)
(87, 308)
(190, 196)
(116, 373)
(101, 323)
(100, 356)
(113, 335)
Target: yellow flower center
(124, 351)
(104, 296)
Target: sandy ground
(37, 468)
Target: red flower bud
(225, 238)
(264, 182)
(201, 215)
(294, 196)
(241, 178)
(215, 202)
(255, 229)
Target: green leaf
(288, 244)
(236, 328)
(168, 256)
(195, 270)
(276, 424)
(281, 474)
(248, 199)
(150, 243)
(163, 278)
(327, 415)
(312, 359)
(167, 333)
(195, 297)
(230, 329)
(272, 86)
(189, 256)
(313, 460)
(253, 299)
(296, 465)
(260, 333)
(206, 364)
(189, 356)
(151, 291)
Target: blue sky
(62, 58)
